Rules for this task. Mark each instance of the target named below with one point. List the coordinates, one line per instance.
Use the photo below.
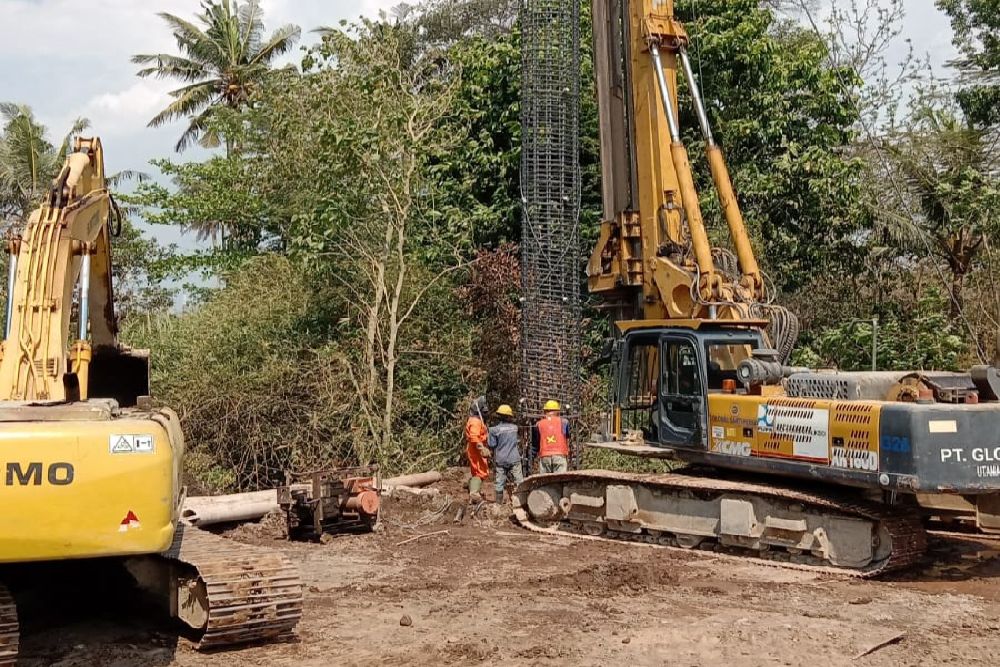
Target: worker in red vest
(550, 440)
(476, 435)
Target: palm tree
(943, 189)
(28, 161)
(224, 61)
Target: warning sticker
(130, 522)
(119, 443)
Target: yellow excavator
(90, 468)
(836, 471)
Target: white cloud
(67, 58)
(141, 99)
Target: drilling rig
(834, 471)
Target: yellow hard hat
(551, 406)
(505, 410)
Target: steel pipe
(699, 104)
(84, 294)
(11, 281)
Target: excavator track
(9, 630)
(898, 539)
(246, 593)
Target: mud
(487, 592)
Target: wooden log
(416, 479)
(209, 514)
(409, 490)
(251, 506)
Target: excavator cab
(662, 376)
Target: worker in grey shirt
(503, 443)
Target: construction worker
(476, 450)
(503, 443)
(550, 440)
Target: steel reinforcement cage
(550, 191)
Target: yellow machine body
(840, 434)
(89, 487)
(85, 471)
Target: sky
(70, 58)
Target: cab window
(682, 377)
(722, 359)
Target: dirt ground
(487, 592)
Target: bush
(257, 375)
(254, 397)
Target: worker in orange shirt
(476, 436)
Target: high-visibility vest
(552, 437)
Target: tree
(977, 36)
(449, 21)
(919, 336)
(224, 62)
(382, 139)
(950, 195)
(28, 160)
(784, 116)
(222, 198)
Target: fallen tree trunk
(416, 479)
(213, 513)
(209, 510)
(410, 490)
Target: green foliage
(221, 200)
(480, 187)
(224, 61)
(602, 459)
(137, 265)
(977, 36)
(921, 338)
(242, 373)
(783, 118)
(944, 191)
(257, 374)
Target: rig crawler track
(8, 629)
(787, 527)
(237, 593)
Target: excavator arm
(89, 477)
(64, 251)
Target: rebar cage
(550, 191)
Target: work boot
(475, 487)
